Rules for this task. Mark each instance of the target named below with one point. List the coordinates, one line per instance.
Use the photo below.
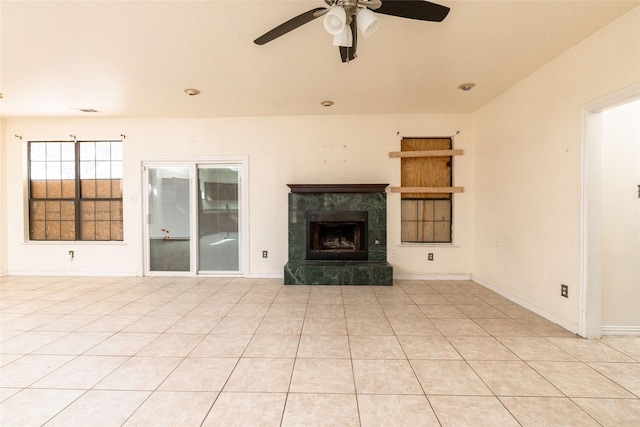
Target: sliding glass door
(218, 208)
(169, 218)
(194, 218)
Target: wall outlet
(265, 254)
(564, 291)
(430, 256)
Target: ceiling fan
(340, 20)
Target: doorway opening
(605, 190)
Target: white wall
(281, 150)
(621, 216)
(3, 202)
(527, 171)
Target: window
(75, 190)
(426, 217)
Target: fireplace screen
(337, 235)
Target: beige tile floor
(168, 351)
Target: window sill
(74, 242)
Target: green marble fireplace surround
(369, 198)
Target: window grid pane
(426, 221)
(57, 209)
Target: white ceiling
(135, 58)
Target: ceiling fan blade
(371, 4)
(290, 25)
(349, 53)
(414, 9)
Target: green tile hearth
(338, 273)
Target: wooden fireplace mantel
(337, 188)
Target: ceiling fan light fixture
(344, 13)
(367, 22)
(335, 20)
(344, 39)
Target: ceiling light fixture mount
(466, 86)
(192, 92)
(327, 103)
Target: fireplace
(337, 235)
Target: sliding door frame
(242, 163)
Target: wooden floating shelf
(427, 189)
(428, 153)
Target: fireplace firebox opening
(337, 235)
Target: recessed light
(327, 103)
(192, 92)
(466, 86)
(88, 110)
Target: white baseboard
(134, 273)
(529, 305)
(75, 273)
(432, 276)
(265, 275)
(620, 330)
